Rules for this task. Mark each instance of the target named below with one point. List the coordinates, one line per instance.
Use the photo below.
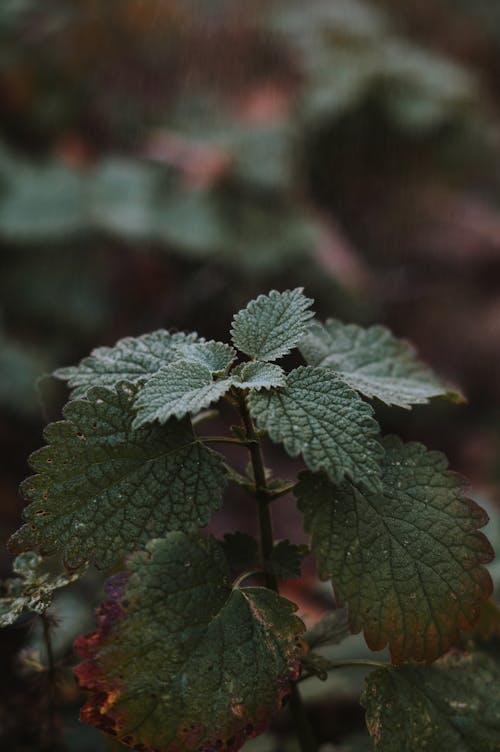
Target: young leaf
(259, 375)
(132, 359)
(182, 660)
(451, 705)
(272, 325)
(216, 356)
(177, 390)
(32, 589)
(332, 629)
(317, 415)
(373, 362)
(407, 559)
(103, 488)
(286, 560)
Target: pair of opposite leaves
(135, 440)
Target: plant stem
(221, 440)
(264, 496)
(261, 492)
(355, 662)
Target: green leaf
(315, 664)
(32, 589)
(259, 375)
(177, 390)
(132, 359)
(241, 550)
(332, 629)
(320, 417)
(216, 356)
(103, 488)
(183, 660)
(373, 362)
(451, 705)
(406, 559)
(286, 560)
(272, 325)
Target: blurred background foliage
(162, 161)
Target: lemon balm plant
(190, 657)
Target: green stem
(221, 440)
(264, 496)
(261, 492)
(356, 662)
(282, 492)
(203, 416)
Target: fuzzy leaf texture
(32, 589)
(320, 417)
(137, 359)
(272, 325)
(373, 362)
(182, 661)
(103, 488)
(259, 375)
(132, 359)
(177, 390)
(407, 559)
(451, 705)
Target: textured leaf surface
(272, 325)
(318, 416)
(103, 488)
(184, 662)
(373, 362)
(216, 356)
(452, 705)
(259, 375)
(177, 390)
(407, 559)
(286, 559)
(132, 359)
(32, 589)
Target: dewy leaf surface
(320, 417)
(259, 375)
(103, 488)
(407, 559)
(182, 661)
(177, 390)
(132, 359)
(373, 362)
(452, 705)
(272, 325)
(32, 589)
